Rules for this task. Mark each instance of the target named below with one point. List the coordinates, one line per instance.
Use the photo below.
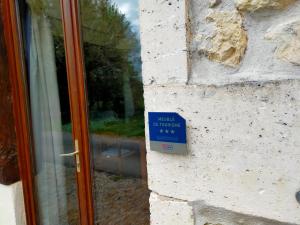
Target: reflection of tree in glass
(62, 79)
(109, 47)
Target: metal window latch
(76, 154)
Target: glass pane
(116, 111)
(55, 176)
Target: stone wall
(232, 69)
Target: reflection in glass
(55, 178)
(116, 111)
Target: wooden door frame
(20, 106)
(79, 115)
(78, 103)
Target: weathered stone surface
(259, 62)
(170, 211)
(229, 41)
(242, 126)
(254, 5)
(287, 35)
(209, 215)
(244, 148)
(163, 41)
(214, 3)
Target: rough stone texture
(254, 5)
(163, 40)
(168, 211)
(243, 122)
(259, 62)
(228, 43)
(287, 36)
(244, 147)
(209, 215)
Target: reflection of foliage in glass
(108, 46)
(62, 79)
(134, 127)
(111, 54)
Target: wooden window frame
(78, 100)
(78, 103)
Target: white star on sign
(161, 131)
(172, 131)
(167, 131)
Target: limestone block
(254, 5)
(287, 35)
(171, 68)
(168, 211)
(153, 13)
(164, 41)
(229, 42)
(209, 215)
(243, 147)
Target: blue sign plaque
(167, 132)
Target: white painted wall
(12, 211)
